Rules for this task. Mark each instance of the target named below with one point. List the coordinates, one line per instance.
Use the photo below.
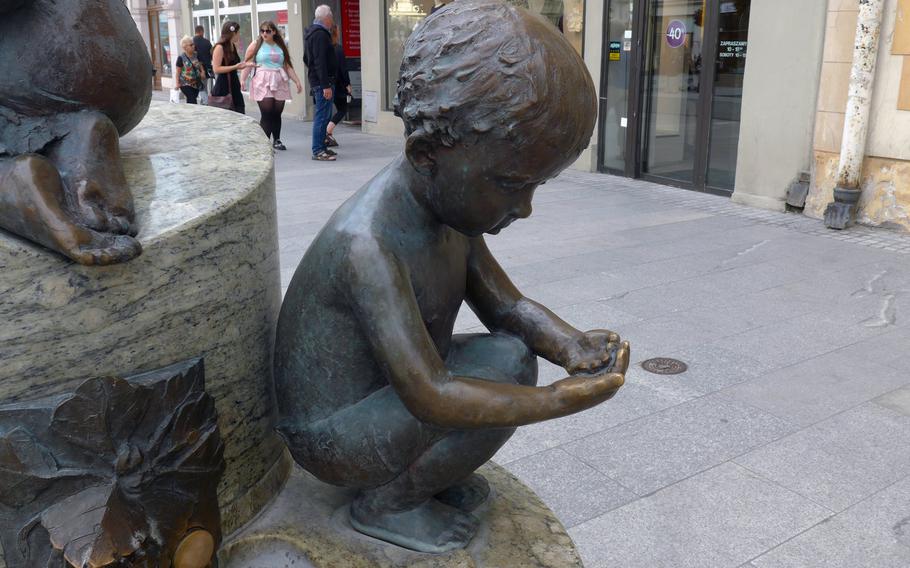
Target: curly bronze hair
(481, 66)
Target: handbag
(226, 101)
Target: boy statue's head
(495, 101)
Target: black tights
(341, 103)
(271, 110)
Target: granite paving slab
(720, 518)
(874, 533)
(656, 451)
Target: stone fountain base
(307, 526)
(206, 285)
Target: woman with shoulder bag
(272, 72)
(226, 62)
(189, 73)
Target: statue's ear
(421, 152)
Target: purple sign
(676, 34)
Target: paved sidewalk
(785, 444)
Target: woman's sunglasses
(267, 31)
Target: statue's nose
(523, 211)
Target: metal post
(841, 213)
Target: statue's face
(485, 186)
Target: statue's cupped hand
(589, 386)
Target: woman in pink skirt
(272, 72)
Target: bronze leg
(88, 159)
(403, 510)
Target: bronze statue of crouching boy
(374, 391)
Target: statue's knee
(517, 359)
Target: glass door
(730, 68)
(671, 92)
(615, 95)
(673, 87)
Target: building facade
(883, 174)
(674, 86)
(163, 22)
(733, 97)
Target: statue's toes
(122, 225)
(105, 209)
(107, 249)
(456, 537)
(117, 221)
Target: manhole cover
(664, 366)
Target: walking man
(319, 57)
(204, 55)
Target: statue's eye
(513, 184)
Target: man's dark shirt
(319, 57)
(203, 50)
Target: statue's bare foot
(32, 206)
(429, 527)
(88, 159)
(466, 495)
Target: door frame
(632, 167)
(637, 106)
(154, 47)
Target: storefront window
(164, 44)
(245, 20)
(402, 16)
(276, 14)
(567, 15)
(208, 24)
(201, 5)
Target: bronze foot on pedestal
(34, 205)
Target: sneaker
(324, 157)
(330, 141)
(278, 145)
(331, 152)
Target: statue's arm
(384, 302)
(502, 307)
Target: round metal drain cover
(664, 366)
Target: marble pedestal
(307, 526)
(207, 284)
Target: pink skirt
(270, 83)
